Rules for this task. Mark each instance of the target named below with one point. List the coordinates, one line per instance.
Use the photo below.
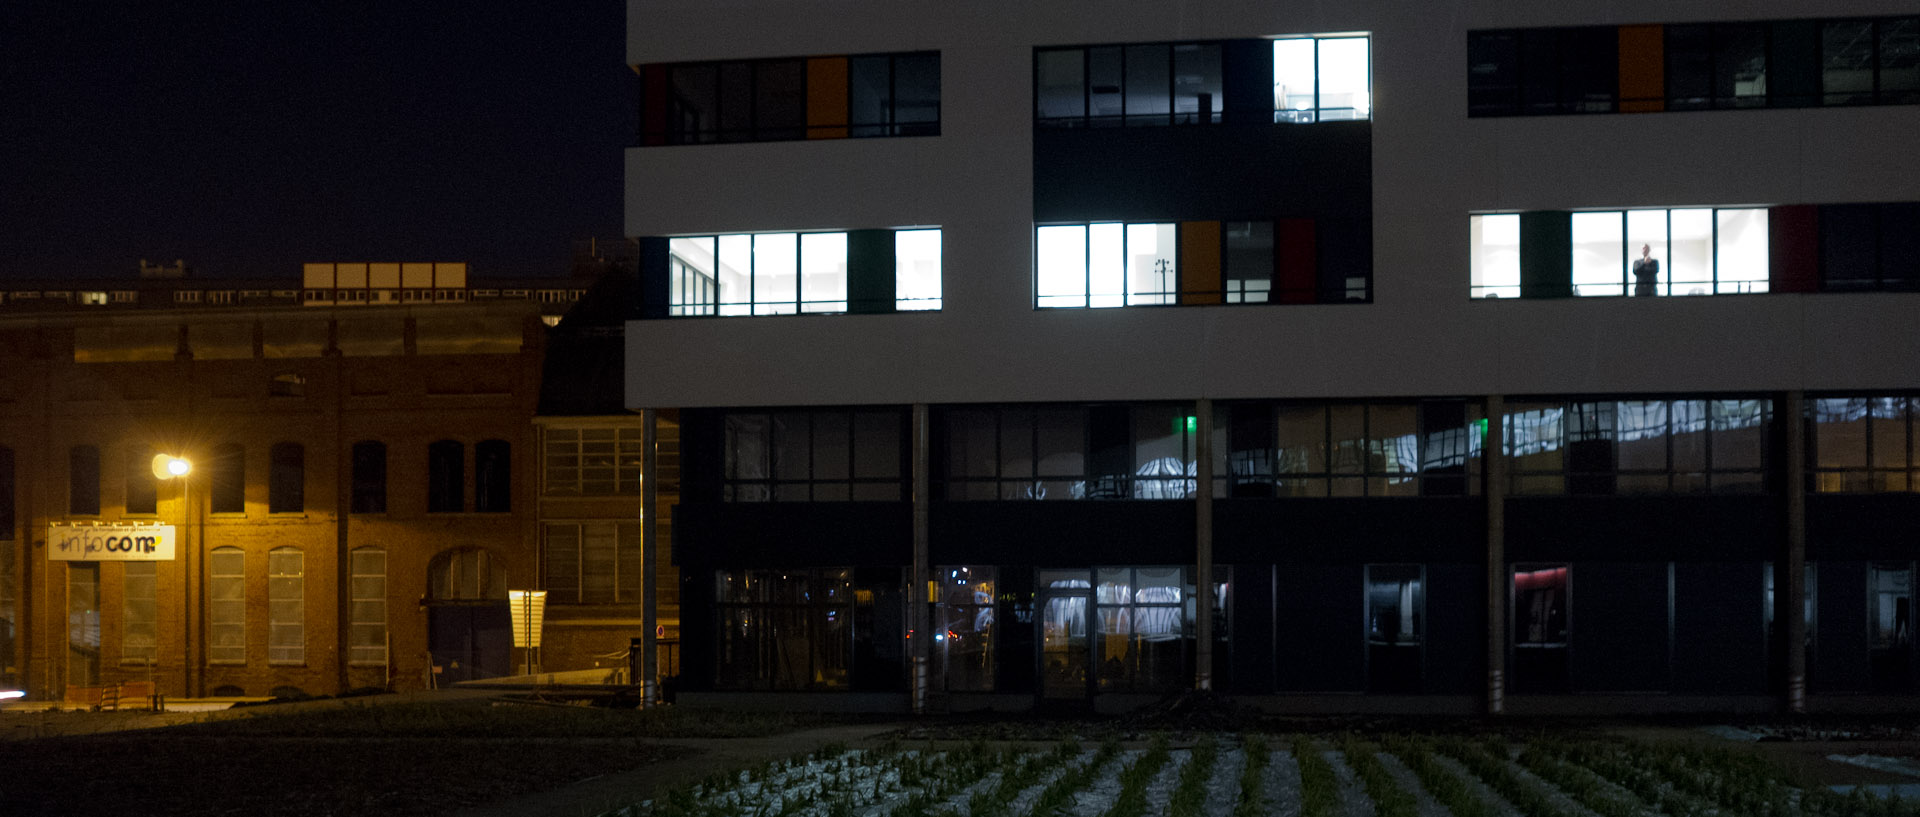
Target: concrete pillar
(1203, 545)
(1790, 596)
(1494, 466)
(649, 555)
(920, 622)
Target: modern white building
(1050, 309)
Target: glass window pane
(1846, 62)
(694, 108)
(1344, 79)
(1302, 440)
(1494, 256)
(916, 94)
(1106, 269)
(1148, 88)
(692, 285)
(1062, 84)
(792, 445)
(876, 436)
(1152, 275)
(1739, 433)
(1740, 65)
(1061, 269)
(916, 270)
(1899, 61)
(736, 101)
(1062, 442)
(735, 274)
(780, 99)
(1493, 63)
(1249, 261)
(1016, 443)
(1888, 430)
(1641, 432)
(1691, 272)
(831, 445)
(775, 273)
(870, 95)
(1689, 67)
(823, 270)
(1393, 449)
(1293, 80)
(1347, 439)
(1196, 78)
(1162, 452)
(1103, 85)
(1647, 245)
(972, 443)
(1742, 251)
(1599, 254)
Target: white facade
(1432, 167)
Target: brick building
(362, 493)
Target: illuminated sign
(110, 543)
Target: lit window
(1860, 444)
(125, 296)
(1635, 253)
(227, 606)
(1322, 79)
(367, 623)
(916, 257)
(93, 298)
(186, 296)
(286, 606)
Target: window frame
(565, 462)
(286, 588)
(226, 617)
(287, 478)
(360, 602)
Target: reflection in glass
(963, 636)
(1062, 84)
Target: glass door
(1065, 596)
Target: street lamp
(165, 467)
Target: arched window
(286, 606)
(367, 624)
(446, 477)
(465, 574)
(83, 480)
(369, 477)
(492, 476)
(287, 478)
(227, 477)
(227, 606)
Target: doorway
(469, 628)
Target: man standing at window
(1646, 273)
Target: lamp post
(166, 467)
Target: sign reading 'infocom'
(110, 543)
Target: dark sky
(248, 138)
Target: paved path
(35, 724)
(696, 758)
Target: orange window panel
(1643, 78)
(827, 98)
(1200, 262)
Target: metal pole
(1494, 465)
(1203, 545)
(921, 620)
(1792, 603)
(649, 555)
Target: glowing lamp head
(167, 466)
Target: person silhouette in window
(1646, 273)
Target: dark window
(492, 476)
(963, 648)
(1689, 67)
(1863, 444)
(1149, 89)
(783, 629)
(287, 384)
(446, 477)
(286, 478)
(142, 486)
(1870, 246)
(1493, 73)
(1898, 80)
(815, 456)
(227, 479)
(1846, 62)
(1350, 449)
(83, 480)
(369, 477)
(6, 494)
(465, 574)
(768, 100)
(1118, 451)
(1739, 65)
(779, 100)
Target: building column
(1790, 599)
(1494, 488)
(649, 679)
(920, 623)
(1203, 545)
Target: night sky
(248, 138)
